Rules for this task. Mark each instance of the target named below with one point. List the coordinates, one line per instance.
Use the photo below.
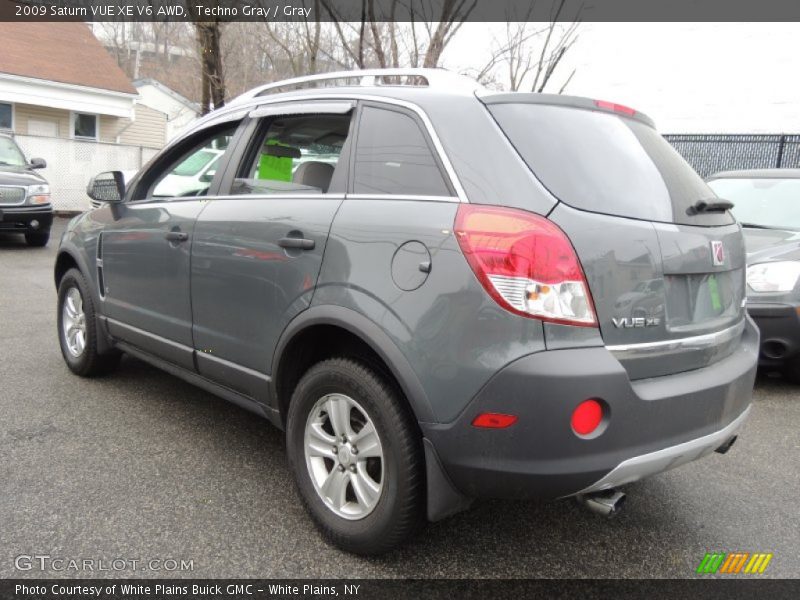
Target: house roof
(168, 91)
(61, 52)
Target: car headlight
(778, 276)
(38, 194)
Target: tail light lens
(526, 263)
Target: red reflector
(587, 417)
(620, 108)
(494, 421)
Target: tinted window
(84, 126)
(393, 157)
(5, 115)
(293, 155)
(605, 163)
(767, 202)
(10, 153)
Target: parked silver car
(767, 204)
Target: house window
(84, 126)
(6, 116)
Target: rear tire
(77, 328)
(367, 496)
(37, 239)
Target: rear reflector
(587, 416)
(526, 263)
(494, 421)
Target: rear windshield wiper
(709, 205)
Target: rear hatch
(666, 273)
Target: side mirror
(208, 176)
(37, 163)
(107, 187)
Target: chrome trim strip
(147, 334)
(697, 342)
(214, 117)
(641, 466)
(236, 366)
(281, 196)
(178, 345)
(402, 197)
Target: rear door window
(393, 157)
(605, 163)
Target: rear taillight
(526, 263)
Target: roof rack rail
(432, 78)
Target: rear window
(605, 163)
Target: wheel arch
(70, 258)
(362, 338)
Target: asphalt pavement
(140, 466)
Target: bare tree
(378, 40)
(529, 53)
(212, 80)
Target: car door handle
(176, 236)
(292, 242)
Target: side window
(393, 157)
(193, 170)
(6, 116)
(295, 154)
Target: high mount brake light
(620, 108)
(526, 263)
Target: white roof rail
(433, 78)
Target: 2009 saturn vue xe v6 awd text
(440, 292)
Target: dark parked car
(24, 195)
(418, 279)
(767, 204)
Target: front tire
(77, 328)
(356, 456)
(37, 239)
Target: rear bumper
(780, 332)
(24, 219)
(638, 467)
(652, 424)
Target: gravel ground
(143, 466)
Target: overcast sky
(690, 77)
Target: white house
(64, 99)
(179, 111)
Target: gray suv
(440, 293)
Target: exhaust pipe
(607, 503)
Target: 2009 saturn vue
(440, 293)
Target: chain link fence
(71, 163)
(710, 153)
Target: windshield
(605, 163)
(195, 163)
(10, 153)
(773, 203)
